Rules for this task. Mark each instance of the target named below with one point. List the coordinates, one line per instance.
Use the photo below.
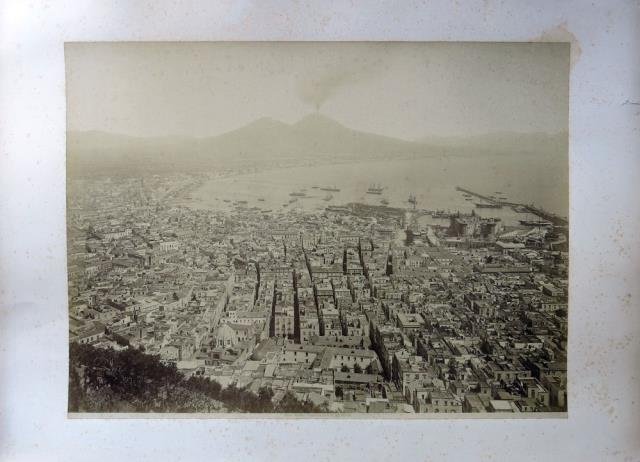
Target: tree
(265, 396)
(75, 390)
(357, 369)
(290, 404)
(344, 368)
(106, 380)
(372, 368)
(453, 372)
(120, 340)
(486, 347)
(339, 392)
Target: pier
(480, 196)
(550, 217)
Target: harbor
(491, 202)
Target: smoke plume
(320, 86)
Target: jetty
(530, 208)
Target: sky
(407, 90)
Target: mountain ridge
(267, 141)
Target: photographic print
(318, 228)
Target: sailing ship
(440, 214)
(330, 189)
(375, 189)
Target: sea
(432, 180)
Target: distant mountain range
(506, 142)
(267, 141)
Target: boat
(242, 202)
(535, 223)
(375, 189)
(336, 208)
(328, 197)
(384, 202)
(226, 200)
(261, 199)
(330, 189)
(488, 206)
(298, 194)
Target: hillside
(106, 380)
(268, 142)
(262, 142)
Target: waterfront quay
(538, 211)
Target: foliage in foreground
(106, 380)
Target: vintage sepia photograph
(318, 228)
